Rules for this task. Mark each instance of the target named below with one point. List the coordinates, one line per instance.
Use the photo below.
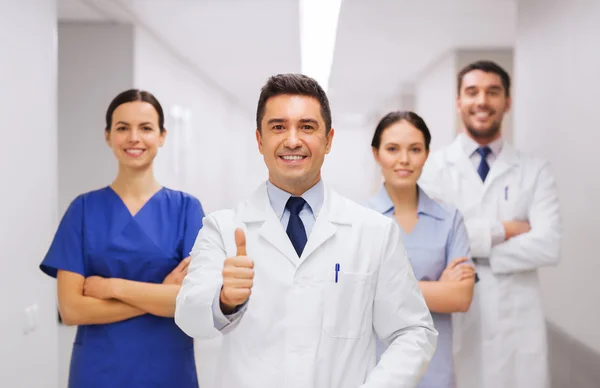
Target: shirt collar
(382, 203)
(470, 146)
(314, 197)
(429, 207)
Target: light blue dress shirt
(314, 198)
(438, 238)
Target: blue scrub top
(438, 238)
(99, 236)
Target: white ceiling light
(318, 27)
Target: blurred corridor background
(205, 60)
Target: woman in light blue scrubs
(120, 255)
(433, 233)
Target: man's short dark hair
(487, 67)
(293, 84)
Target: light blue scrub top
(438, 238)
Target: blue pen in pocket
(506, 193)
(337, 270)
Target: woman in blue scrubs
(433, 233)
(120, 255)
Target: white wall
(29, 192)
(435, 100)
(214, 156)
(349, 168)
(407, 101)
(557, 67)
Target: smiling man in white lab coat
(511, 211)
(299, 279)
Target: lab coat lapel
(462, 163)
(273, 232)
(332, 214)
(506, 161)
(259, 210)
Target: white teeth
(134, 152)
(292, 157)
(482, 114)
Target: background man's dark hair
(487, 67)
(293, 84)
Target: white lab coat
(300, 328)
(501, 341)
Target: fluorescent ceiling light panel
(318, 28)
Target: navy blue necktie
(295, 228)
(484, 167)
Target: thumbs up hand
(238, 275)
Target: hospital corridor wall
(28, 193)
(557, 70)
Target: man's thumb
(240, 242)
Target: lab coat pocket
(513, 206)
(348, 310)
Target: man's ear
(329, 140)
(259, 141)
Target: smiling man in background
(511, 212)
